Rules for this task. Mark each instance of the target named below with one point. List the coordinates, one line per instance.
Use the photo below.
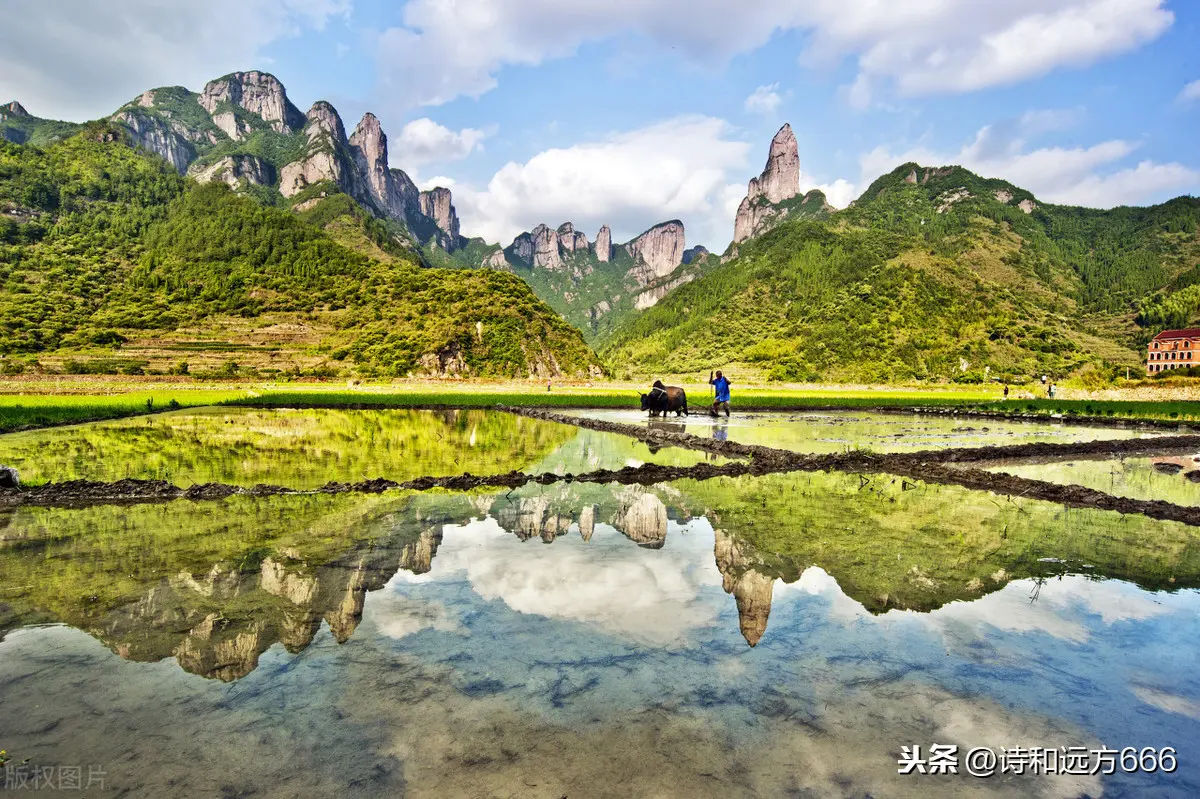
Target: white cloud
(680, 168)
(765, 100)
(1089, 176)
(839, 193)
(1190, 92)
(970, 47)
(424, 141)
(653, 600)
(425, 184)
(915, 46)
(77, 59)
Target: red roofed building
(1173, 349)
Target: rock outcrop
(604, 245)
(545, 248)
(779, 182)
(695, 253)
(235, 170)
(325, 159)
(657, 252)
(436, 205)
(155, 135)
(13, 109)
(571, 240)
(323, 120)
(650, 297)
(256, 92)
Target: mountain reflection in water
(593, 640)
(214, 585)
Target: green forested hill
(932, 273)
(115, 261)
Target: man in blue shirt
(721, 385)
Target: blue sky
(629, 112)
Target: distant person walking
(1050, 393)
(720, 385)
(1006, 391)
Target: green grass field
(26, 412)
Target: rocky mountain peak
(657, 251)
(570, 239)
(323, 119)
(604, 249)
(436, 204)
(257, 92)
(13, 109)
(545, 248)
(779, 181)
(780, 178)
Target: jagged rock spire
(779, 181)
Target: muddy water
(749, 636)
(842, 431)
(305, 449)
(1170, 478)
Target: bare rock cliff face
(256, 92)
(234, 170)
(779, 181)
(545, 248)
(657, 252)
(156, 136)
(650, 297)
(604, 248)
(327, 141)
(13, 109)
(323, 120)
(436, 205)
(369, 146)
(570, 239)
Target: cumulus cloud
(1190, 92)
(424, 141)
(765, 100)
(683, 167)
(839, 193)
(77, 59)
(1090, 176)
(911, 46)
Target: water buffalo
(663, 399)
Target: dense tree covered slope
(932, 273)
(112, 257)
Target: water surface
(841, 431)
(305, 449)
(1170, 478)
(749, 636)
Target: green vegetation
(110, 245)
(890, 546)
(23, 128)
(301, 449)
(24, 412)
(941, 278)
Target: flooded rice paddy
(842, 431)
(304, 449)
(784, 634)
(1168, 477)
